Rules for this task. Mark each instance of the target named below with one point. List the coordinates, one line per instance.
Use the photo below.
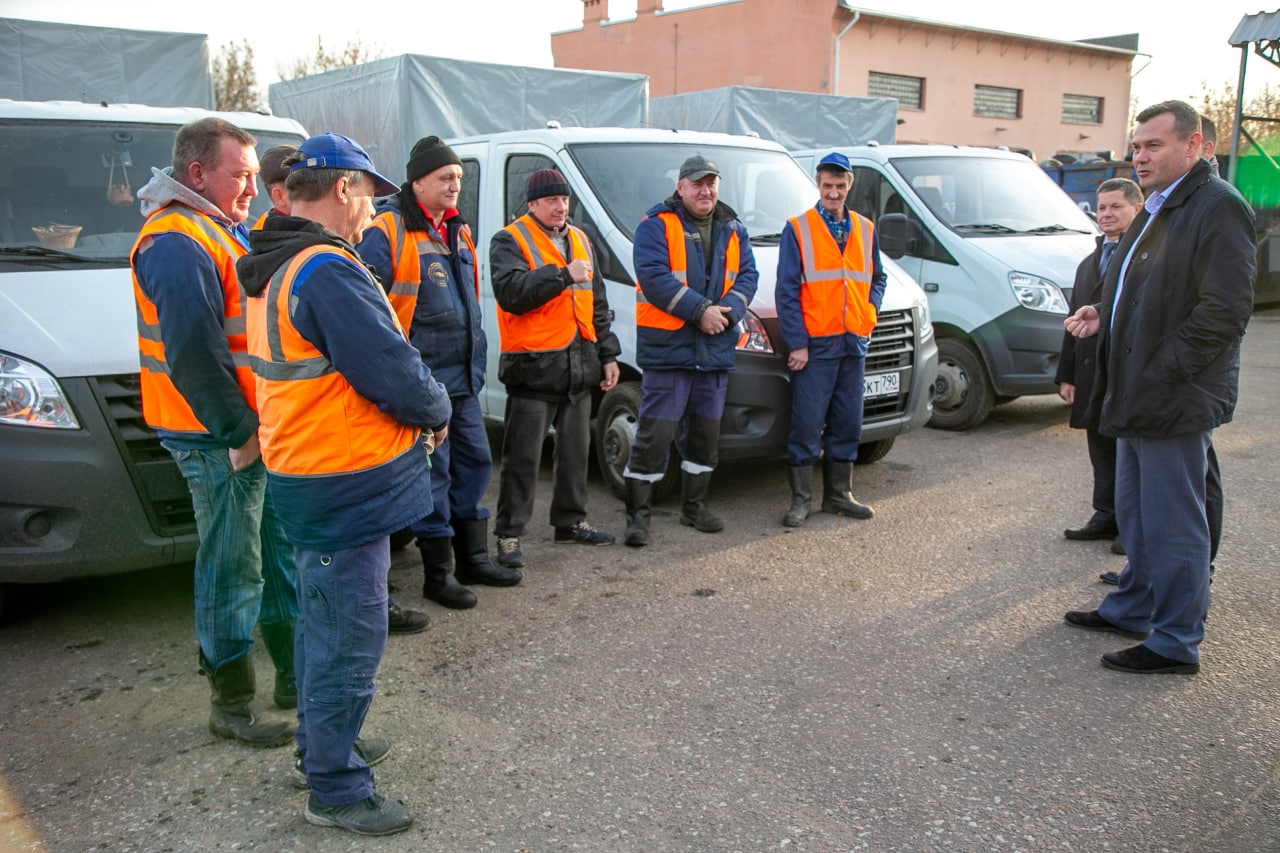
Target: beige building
(954, 84)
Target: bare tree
(1220, 105)
(326, 60)
(235, 83)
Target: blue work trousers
(687, 402)
(460, 471)
(244, 568)
(826, 410)
(1160, 508)
(338, 644)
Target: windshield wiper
(1053, 229)
(46, 252)
(766, 239)
(990, 227)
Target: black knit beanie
(545, 182)
(429, 154)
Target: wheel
(873, 451)
(616, 424)
(963, 395)
(402, 538)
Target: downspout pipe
(835, 72)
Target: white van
(85, 487)
(616, 175)
(995, 244)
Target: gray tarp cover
(795, 120)
(67, 62)
(389, 104)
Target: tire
(963, 395)
(616, 422)
(401, 539)
(873, 451)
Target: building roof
(1264, 26)
(1112, 44)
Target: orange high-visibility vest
(836, 286)
(406, 265)
(163, 407)
(312, 422)
(654, 317)
(257, 226)
(550, 326)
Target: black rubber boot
(801, 479)
(694, 513)
(438, 582)
(278, 639)
(233, 713)
(639, 497)
(471, 552)
(837, 491)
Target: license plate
(881, 385)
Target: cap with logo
(335, 151)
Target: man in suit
(1119, 200)
(1174, 307)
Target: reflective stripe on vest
(406, 260)
(552, 325)
(834, 294)
(655, 317)
(163, 407)
(312, 422)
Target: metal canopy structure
(1263, 32)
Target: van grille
(892, 347)
(155, 475)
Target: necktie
(1108, 249)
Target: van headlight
(926, 324)
(1037, 293)
(29, 396)
(753, 336)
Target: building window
(908, 90)
(997, 102)
(1081, 109)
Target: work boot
(233, 713)
(401, 621)
(694, 513)
(837, 491)
(471, 553)
(278, 639)
(639, 495)
(438, 583)
(801, 479)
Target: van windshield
(764, 187)
(68, 190)
(990, 196)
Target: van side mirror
(898, 235)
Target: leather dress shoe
(401, 621)
(1143, 661)
(1117, 547)
(1112, 578)
(1091, 621)
(1096, 528)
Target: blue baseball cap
(836, 159)
(335, 151)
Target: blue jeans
(244, 564)
(342, 631)
(460, 471)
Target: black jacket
(1170, 360)
(558, 374)
(1077, 362)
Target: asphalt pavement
(899, 684)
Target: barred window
(908, 90)
(997, 102)
(1081, 109)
